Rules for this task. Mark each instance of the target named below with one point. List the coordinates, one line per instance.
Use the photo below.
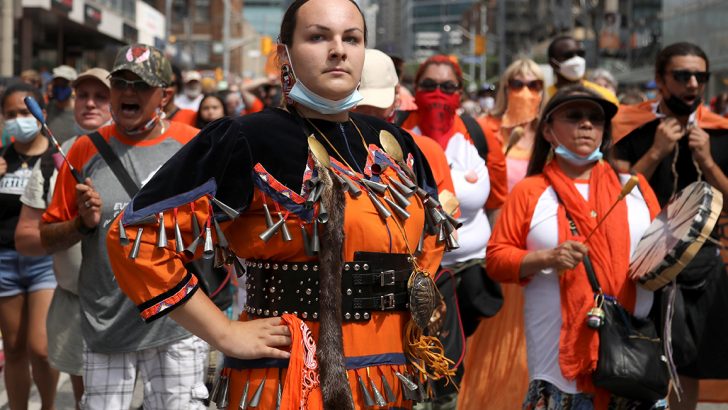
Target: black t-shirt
(12, 186)
(636, 144)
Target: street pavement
(64, 398)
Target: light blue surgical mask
(24, 129)
(302, 95)
(576, 159)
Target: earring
(550, 155)
(287, 81)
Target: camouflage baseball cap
(145, 61)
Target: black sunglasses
(571, 54)
(517, 85)
(684, 76)
(135, 85)
(447, 87)
(576, 115)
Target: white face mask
(193, 92)
(24, 129)
(573, 69)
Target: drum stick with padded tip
(35, 109)
(626, 189)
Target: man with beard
(191, 92)
(672, 141)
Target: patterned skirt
(543, 395)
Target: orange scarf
(301, 388)
(609, 251)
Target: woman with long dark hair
(570, 179)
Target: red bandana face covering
(436, 112)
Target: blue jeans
(24, 274)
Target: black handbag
(631, 361)
(212, 280)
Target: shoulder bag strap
(114, 163)
(476, 135)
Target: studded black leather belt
(371, 282)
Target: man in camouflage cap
(117, 344)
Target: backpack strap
(476, 135)
(114, 163)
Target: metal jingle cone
(195, 225)
(137, 243)
(431, 202)
(238, 266)
(401, 199)
(449, 229)
(215, 394)
(406, 382)
(441, 235)
(244, 400)
(255, 400)
(421, 193)
(323, 214)
(285, 234)
(306, 243)
(367, 397)
(457, 224)
(437, 217)
(405, 177)
(224, 394)
(220, 257)
(315, 242)
(381, 209)
(279, 395)
(391, 397)
(268, 233)
(452, 243)
(421, 390)
(221, 239)
(123, 239)
(378, 398)
(353, 188)
(378, 169)
(162, 233)
(178, 244)
(377, 187)
(225, 208)
(268, 217)
(404, 190)
(208, 250)
(313, 196)
(191, 249)
(420, 244)
(398, 210)
(344, 185)
(430, 226)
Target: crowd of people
(389, 246)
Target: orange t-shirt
(185, 116)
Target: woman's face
(328, 47)
(439, 75)
(14, 106)
(578, 126)
(211, 109)
(91, 109)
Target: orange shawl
(631, 117)
(609, 251)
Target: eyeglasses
(447, 87)
(517, 85)
(571, 54)
(684, 76)
(136, 85)
(576, 116)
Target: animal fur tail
(330, 350)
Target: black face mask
(680, 107)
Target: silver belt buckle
(386, 278)
(387, 301)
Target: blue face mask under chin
(576, 159)
(304, 96)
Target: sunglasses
(447, 87)
(684, 76)
(571, 54)
(575, 116)
(517, 85)
(136, 85)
